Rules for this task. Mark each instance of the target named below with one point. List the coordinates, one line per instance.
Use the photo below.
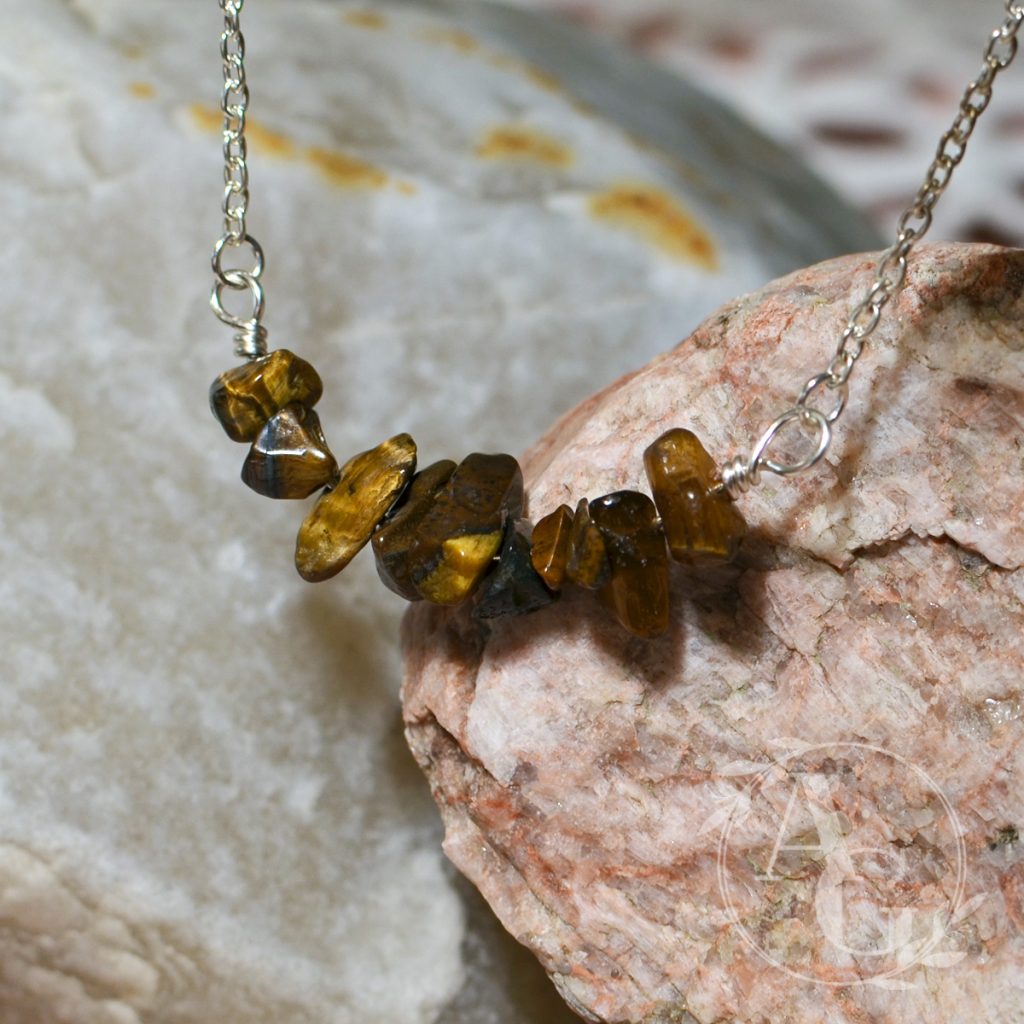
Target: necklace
(454, 532)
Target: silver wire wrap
(250, 334)
(740, 473)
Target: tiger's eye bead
(345, 516)
(549, 551)
(514, 587)
(395, 536)
(699, 526)
(289, 458)
(244, 398)
(588, 564)
(463, 530)
(638, 589)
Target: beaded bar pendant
(451, 532)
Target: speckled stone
(622, 803)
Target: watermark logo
(843, 864)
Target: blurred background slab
(861, 90)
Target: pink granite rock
(803, 803)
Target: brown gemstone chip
(344, 518)
(289, 458)
(394, 538)
(244, 398)
(549, 551)
(462, 532)
(638, 589)
(588, 564)
(700, 526)
(514, 587)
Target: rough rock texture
(804, 804)
(207, 810)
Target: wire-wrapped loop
(251, 335)
(740, 474)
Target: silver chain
(741, 473)
(251, 335)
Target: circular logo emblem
(843, 864)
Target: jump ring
(222, 275)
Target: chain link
(741, 473)
(251, 335)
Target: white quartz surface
(207, 809)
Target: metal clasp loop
(758, 457)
